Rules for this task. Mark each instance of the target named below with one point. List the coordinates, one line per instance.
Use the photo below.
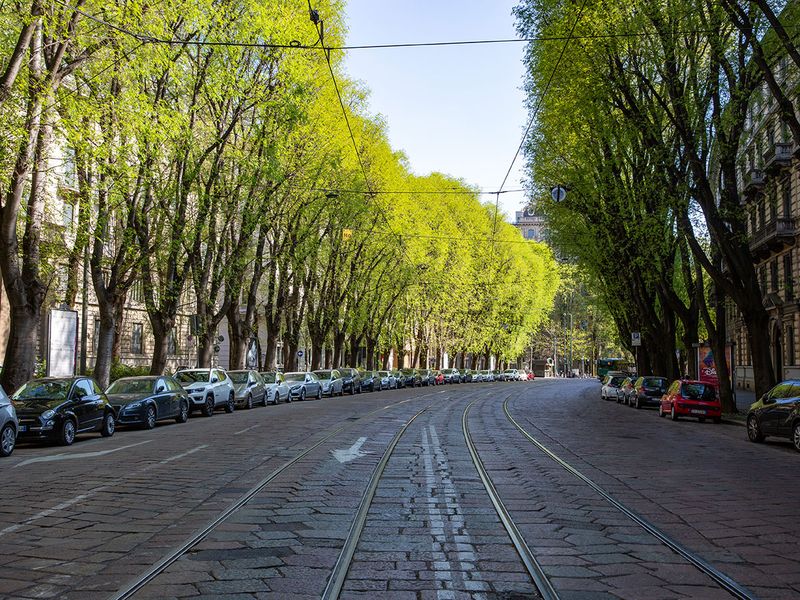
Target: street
(261, 503)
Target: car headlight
(197, 390)
(48, 414)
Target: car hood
(123, 399)
(240, 389)
(37, 405)
(194, 385)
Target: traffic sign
(299, 354)
(636, 338)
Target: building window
(136, 339)
(69, 215)
(790, 345)
(137, 291)
(773, 275)
(787, 197)
(788, 278)
(96, 336)
(172, 343)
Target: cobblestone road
(86, 521)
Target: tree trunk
(105, 345)
(205, 350)
(370, 353)
(316, 352)
(161, 329)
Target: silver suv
(8, 425)
(208, 389)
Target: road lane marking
(176, 457)
(246, 429)
(57, 457)
(353, 452)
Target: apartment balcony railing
(778, 156)
(754, 180)
(775, 236)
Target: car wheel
(672, 414)
(637, 403)
(249, 403)
(150, 417)
(661, 413)
(230, 406)
(183, 413)
(288, 397)
(319, 393)
(108, 425)
(8, 439)
(208, 407)
(796, 435)
(277, 398)
(754, 429)
(302, 394)
(264, 401)
(67, 434)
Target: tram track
(537, 573)
(132, 587)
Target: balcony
(754, 180)
(778, 156)
(775, 236)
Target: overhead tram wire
(297, 45)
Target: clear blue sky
(458, 110)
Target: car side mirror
(214, 380)
(160, 389)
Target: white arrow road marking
(55, 457)
(353, 452)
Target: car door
(785, 410)
(220, 392)
(164, 399)
(770, 413)
(258, 387)
(88, 405)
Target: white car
(487, 375)
(208, 389)
(611, 385)
(331, 382)
(9, 426)
(277, 389)
(511, 375)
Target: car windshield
(654, 382)
(268, 377)
(131, 386)
(323, 374)
(193, 376)
(238, 377)
(698, 391)
(56, 390)
(295, 376)
(616, 381)
(383, 373)
(407, 371)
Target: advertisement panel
(62, 343)
(707, 368)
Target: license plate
(697, 411)
(23, 428)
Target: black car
(351, 380)
(58, 408)
(399, 378)
(647, 391)
(370, 380)
(427, 377)
(411, 377)
(144, 400)
(776, 413)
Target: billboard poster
(707, 368)
(62, 343)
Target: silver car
(331, 382)
(277, 389)
(248, 388)
(388, 380)
(9, 426)
(303, 385)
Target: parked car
(439, 378)
(248, 388)
(276, 388)
(487, 375)
(411, 377)
(426, 377)
(611, 385)
(351, 379)
(331, 382)
(511, 375)
(625, 389)
(776, 413)
(499, 375)
(9, 426)
(388, 380)
(477, 376)
(400, 380)
(466, 376)
(208, 389)
(144, 400)
(59, 408)
(451, 375)
(691, 399)
(303, 385)
(647, 391)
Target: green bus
(604, 365)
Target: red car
(531, 376)
(439, 378)
(691, 399)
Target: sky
(457, 110)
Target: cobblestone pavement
(82, 522)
